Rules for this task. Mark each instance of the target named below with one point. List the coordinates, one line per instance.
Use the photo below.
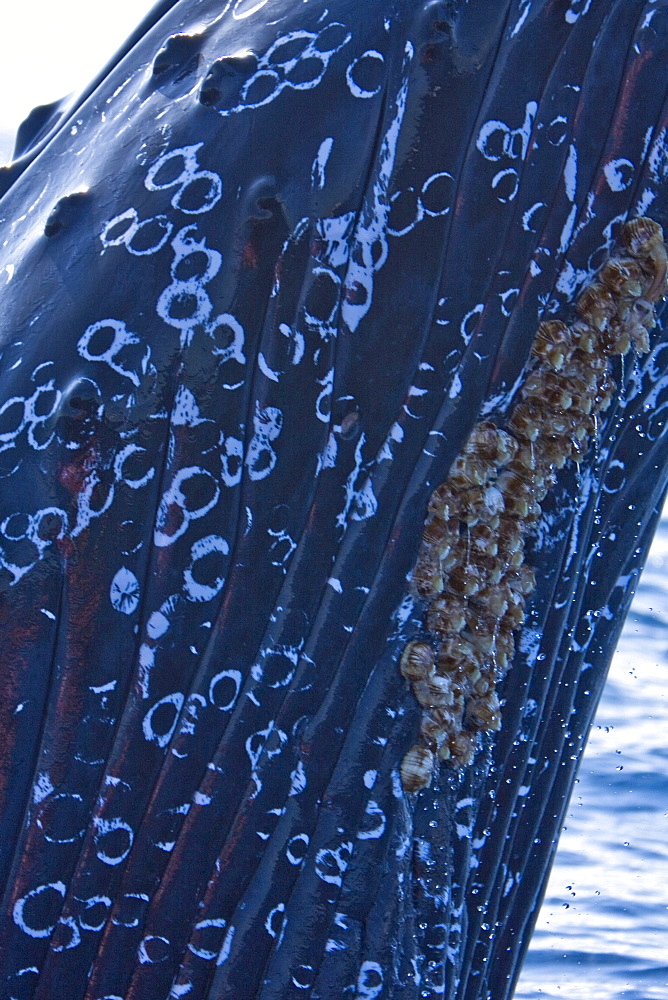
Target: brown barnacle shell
(511, 537)
(485, 683)
(505, 650)
(586, 337)
(507, 448)
(483, 638)
(470, 470)
(641, 236)
(417, 660)
(417, 768)
(588, 367)
(482, 629)
(513, 618)
(526, 463)
(480, 504)
(434, 690)
(483, 441)
(578, 388)
(490, 444)
(455, 654)
(432, 733)
(553, 343)
(604, 394)
(659, 284)
(465, 580)
(642, 313)
(453, 555)
(620, 341)
(527, 421)
(571, 424)
(512, 485)
(492, 568)
(492, 601)
(555, 451)
(583, 402)
(517, 558)
(427, 575)
(622, 277)
(547, 387)
(596, 305)
(644, 239)
(484, 539)
(493, 502)
(543, 484)
(518, 506)
(435, 531)
(438, 532)
(438, 723)
(443, 502)
(522, 580)
(446, 614)
(640, 339)
(459, 748)
(534, 512)
(559, 424)
(484, 713)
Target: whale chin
(332, 443)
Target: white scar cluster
(471, 566)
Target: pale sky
(49, 48)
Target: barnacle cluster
(471, 566)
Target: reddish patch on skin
(249, 256)
(20, 633)
(356, 294)
(173, 520)
(73, 475)
(318, 249)
(278, 271)
(65, 547)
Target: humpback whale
(332, 441)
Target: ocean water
(602, 933)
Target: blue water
(602, 933)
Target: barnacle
(471, 566)
(417, 768)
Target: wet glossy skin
(256, 292)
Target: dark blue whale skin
(257, 285)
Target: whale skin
(258, 285)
